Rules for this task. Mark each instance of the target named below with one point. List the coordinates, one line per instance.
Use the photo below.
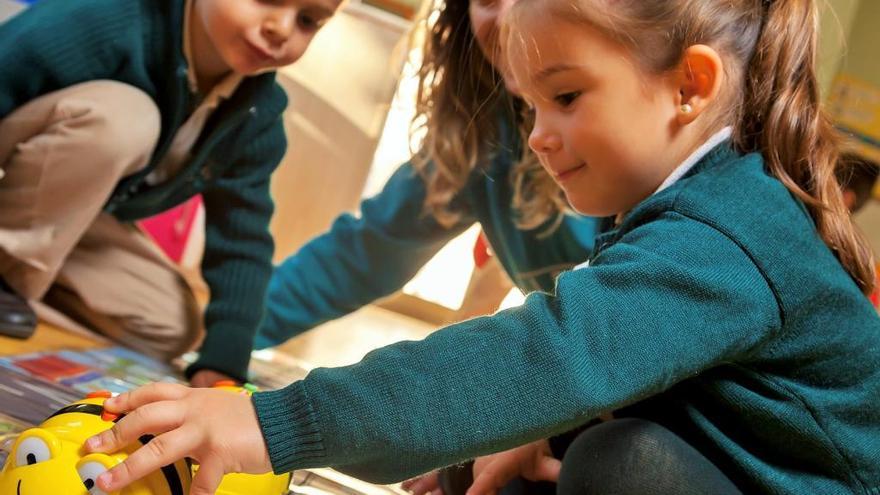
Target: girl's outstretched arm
(217, 429)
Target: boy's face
(253, 36)
(604, 129)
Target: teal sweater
(366, 257)
(59, 43)
(713, 309)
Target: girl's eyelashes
(566, 99)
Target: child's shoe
(17, 319)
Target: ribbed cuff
(290, 428)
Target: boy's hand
(533, 461)
(217, 428)
(207, 378)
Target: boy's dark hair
(857, 174)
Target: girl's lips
(567, 174)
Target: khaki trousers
(61, 156)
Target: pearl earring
(687, 108)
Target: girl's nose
(544, 141)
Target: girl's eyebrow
(554, 69)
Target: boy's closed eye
(313, 18)
(307, 22)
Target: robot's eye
(88, 473)
(32, 450)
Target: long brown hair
(771, 96)
(459, 98)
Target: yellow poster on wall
(855, 106)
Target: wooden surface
(346, 340)
(337, 343)
(46, 338)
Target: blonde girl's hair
(459, 100)
(771, 96)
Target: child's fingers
(153, 392)
(547, 469)
(207, 479)
(410, 482)
(160, 451)
(422, 485)
(150, 419)
(492, 477)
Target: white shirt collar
(682, 169)
(695, 157)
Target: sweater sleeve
(237, 262)
(56, 44)
(650, 311)
(359, 260)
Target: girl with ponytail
(717, 341)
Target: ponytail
(772, 96)
(782, 117)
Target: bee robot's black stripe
(170, 473)
(79, 408)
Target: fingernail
(105, 480)
(110, 402)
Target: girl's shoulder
(727, 187)
(737, 197)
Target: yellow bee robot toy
(49, 459)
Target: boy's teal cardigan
(58, 43)
(714, 309)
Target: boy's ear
(700, 75)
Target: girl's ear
(699, 78)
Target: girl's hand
(217, 428)
(425, 484)
(533, 461)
